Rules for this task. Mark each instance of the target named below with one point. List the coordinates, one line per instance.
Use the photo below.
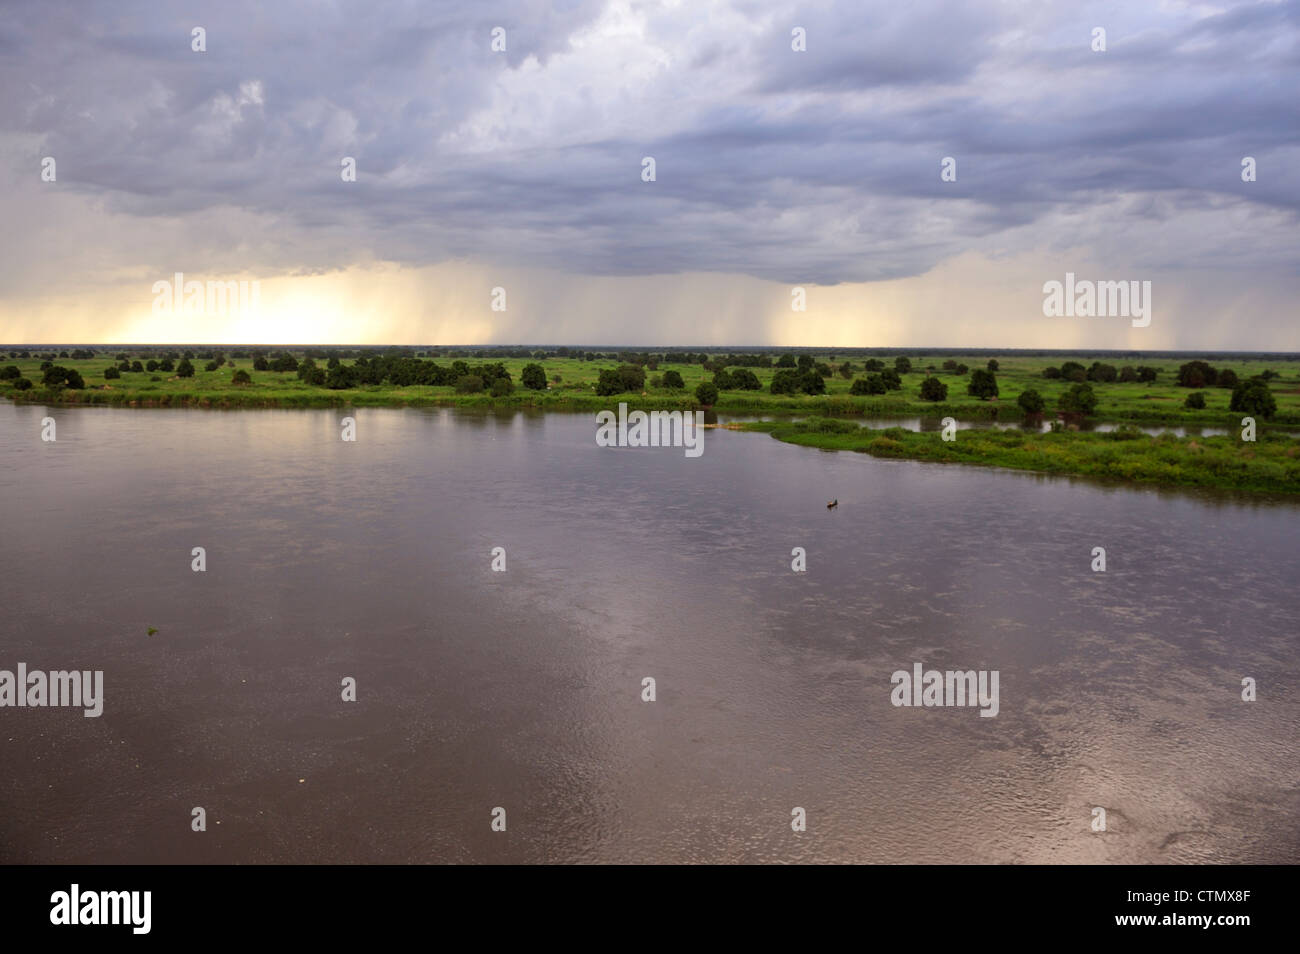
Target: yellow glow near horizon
(968, 301)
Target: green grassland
(1160, 402)
(1270, 465)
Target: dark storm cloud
(820, 166)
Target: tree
(1127, 374)
(533, 377)
(932, 389)
(1104, 373)
(706, 393)
(1031, 402)
(341, 377)
(469, 384)
(786, 361)
(961, 370)
(210, 366)
(950, 364)
(673, 379)
(1196, 374)
(744, 379)
(10, 373)
(633, 377)
(903, 365)
(151, 365)
(185, 369)
(805, 362)
(1228, 378)
(22, 384)
(261, 364)
(54, 376)
(609, 382)
(873, 365)
(137, 367)
(810, 382)
(722, 380)
(846, 370)
(75, 380)
(1253, 397)
(983, 384)
(1074, 371)
(871, 384)
(111, 373)
(1147, 375)
(1052, 374)
(167, 364)
(1079, 400)
(241, 377)
(993, 365)
(891, 379)
(1195, 401)
(502, 387)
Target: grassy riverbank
(1158, 402)
(1270, 464)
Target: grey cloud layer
(802, 167)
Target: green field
(1270, 464)
(1157, 403)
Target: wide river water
(522, 689)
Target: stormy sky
(774, 167)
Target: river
(372, 560)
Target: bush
(137, 367)
(211, 366)
(22, 384)
(1228, 378)
(891, 379)
(1253, 397)
(241, 377)
(1196, 374)
(903, 365)
(151, 366)
(111, 373)
(871, 384)
(167, 364)
(533, 377)
(1031, 402)
(673, 379)
(185, 369)
(609, 382)
(341, 377)
(983, 384)
(932, 389)
(1127, 374)
(1195, 401)
(502, 387)
(261, 364)
(10, 373)
(1104, 373)
(1052, 374)
(993, 365)
(1079, 400)
(469, 384)
(706, 393)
